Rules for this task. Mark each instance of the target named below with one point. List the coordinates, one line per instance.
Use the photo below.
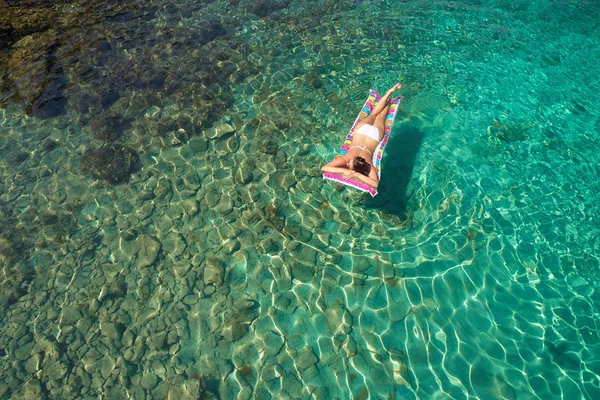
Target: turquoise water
(165, 231)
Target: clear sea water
(221, 265)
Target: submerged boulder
(510, 132)
(265, 8)
(37, 80)
(109, 126)
(210, 31)
(113, 163)
(19, 19)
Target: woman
(358, 161)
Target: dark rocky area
(77, 62)
(22, 18)
(113, 163)
(35, 76)
(28, 44)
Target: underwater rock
(117, 392)
(144, 211)
(225, 205)
(22, 19)
(112, 330)
(192, 181)
(31, 365)
(210, 32)
(234, 331)
(128, 235)
(271, 372)
(191, 207)
(335, 317)
(209, 290)
(70, 315)
(174, 244)
(198, 144)
(231, 145)
(149, 248)
(109, 126)
(163, 192)
(220, 131)
(32, 389)
(231, 246)
(213, 271)
(36, 3)
(106, 366)
(113, 163)
(108, 97)
(149, 380)
(280, 179)
(190, 299)
(273, 343)
(21, 157)
(213, 196)
(510, 133)
(163, 128)
(243, 174)
(49, 145)
(266, 7)
(38, 82)
(270, 147)
(23, 351)
(303, 273)
(237, 321)
(186, 123)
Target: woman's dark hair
(361, 166)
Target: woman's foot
(397, 86)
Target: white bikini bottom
(369, 131)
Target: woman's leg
(369, 120)
(381, 105)
(383, 102)
(380, 121)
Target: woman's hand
(349, 174)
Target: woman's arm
(335, 166)
(335, 170)
(371, 181)
(349, 174)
